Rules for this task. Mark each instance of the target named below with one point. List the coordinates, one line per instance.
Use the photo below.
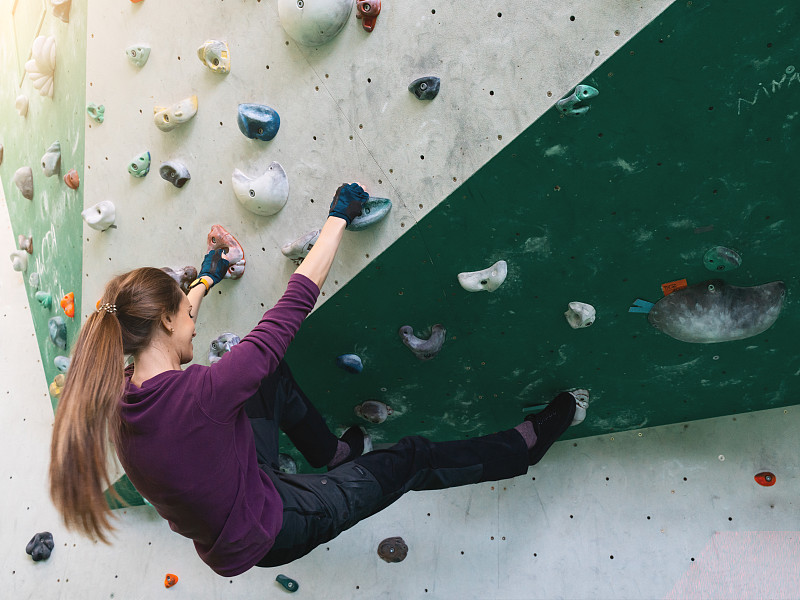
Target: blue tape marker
(641, 306)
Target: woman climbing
(201, 444)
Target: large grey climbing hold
(714, 311)
(424, 349)
(263, 195)
(23, 179)
(299, 248)
(40, 546)
(58, 331)
(373, 411)
(313, 22)
(393, 550)
(221, 346)
(184, 277)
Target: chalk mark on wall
(774, 86)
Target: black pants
(318, 507)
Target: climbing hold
(299, 249)
(286, 464)
(21, 105)
(216, 56)
(19, 260)
(33, 280)
(222, 345)
(184, 277)
(425, 88)
(139, 165)
(290, 584)
(373, 411)
(174, 172)
(258, 121)
(58, 331)
(169, 579)
(57, 385)
(720, 258)
(25, 243)
(264, 195)
(138, 54)
(23, 178)
(580, 315)
(487, 280)
(101, 215)
(313, 22)
(713, 311)
(368, 11)
(574, 104)
(393, 550)
(40, 546)
(62, 363)
(51, 161)
(765, 478)
(44, 298)
(72, 180)
(136, 1)
(42, 66)
(424, 349)
(68, 304)
(581, 405)
(374, 210)
(1, 154)
(96, 112)
(61, 9)
(219, 237)
(168, 118)
(350, 363)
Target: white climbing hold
(51, 161)
(264, 195)
(42, 67)
(216, 56)
(101, 216)
(487, 280)
(21, 105)
(314, 22)
(61, 9)
(19, 260)
(581, 404)
(23, 178)
(168, 118)
(580, 315)
(299, 249)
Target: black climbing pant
(318, 507)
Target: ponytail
(88, 409)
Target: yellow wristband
(205, 280)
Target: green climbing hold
(720, 258)
(290, 584)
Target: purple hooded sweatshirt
(188, 448)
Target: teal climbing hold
(290, 584)
(373, 211)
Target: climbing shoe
(551, 423)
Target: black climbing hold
(40, 546)
(425, 88)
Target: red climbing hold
(368, 11)
(765, 478)
(170, 580)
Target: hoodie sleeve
(236, 377)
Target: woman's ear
(166, 322)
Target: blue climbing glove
(348, 201)
(213, 270)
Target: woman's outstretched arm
(317, 264)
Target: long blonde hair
(88, 408)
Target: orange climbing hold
(68, 304)
(170, 580)
(765, 478)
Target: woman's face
(184, 331)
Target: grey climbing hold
(720, 258)
(290, 584)
(62, 363)
(286, 464)
(258, 121)
(184, 277)
(489, 279)
(33, 280)
(40, 546)
(393, 550)
(221, 346)
(424, 349)
(263, 195)
(299, 248)
(373, 411)
(575, 104)
(350, 363)
(51, 161)
(425, 88)
(313, 22)
(58, 331)
(580, 315)
(374, 210)
(23, 179)
(713, 311)
(174, 172)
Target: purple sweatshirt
(187, 445)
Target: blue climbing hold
(350, 363)
(258, 121)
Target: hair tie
(109, 308)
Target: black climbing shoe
(550, 424)
(353, 437)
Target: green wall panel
(690, 144)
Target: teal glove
(348, 201)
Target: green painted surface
(690, 144)
(53, 216)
